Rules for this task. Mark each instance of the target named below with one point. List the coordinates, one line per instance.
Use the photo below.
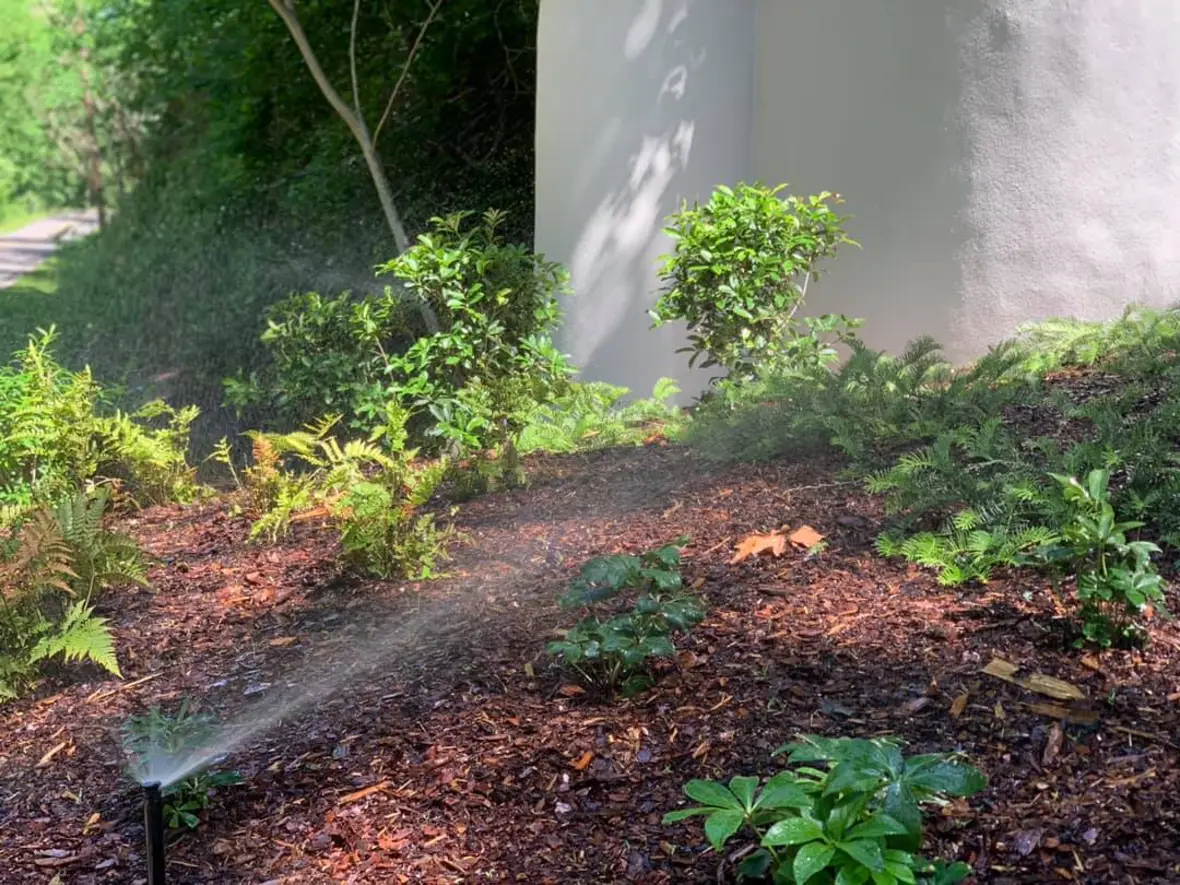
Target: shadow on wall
(640, 105)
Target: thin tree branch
(434, 8)
(356, 85)
(286, 11)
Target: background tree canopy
(232, 180)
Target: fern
(79, 636)
(961, 555)
(99, 558)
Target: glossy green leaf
(792, 831)
(783, 791)
(811, 859)
(721, 825)
(865, 851)
(712, 793)
(743, 788)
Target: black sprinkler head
(153, 822)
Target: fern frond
(79, 636)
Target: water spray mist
(153, 822)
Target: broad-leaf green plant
(849, 814)
(613, 651)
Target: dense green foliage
(57, 434)
(853, 821)
(966, 460)
(471, 384)
(54, 567)
(248, 187)
(739, 274)
(593, 415)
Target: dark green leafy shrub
(739, 274)
(155, 737)
(613, 652)
(492, 360)
(848, 815)
(328, 355)
(1116, 579)
(469, 384)
(53, 570)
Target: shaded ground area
(23, 251)
(455, 752)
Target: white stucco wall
(640, 103)
(1005, 160)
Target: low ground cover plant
(594, 415)
(373, 493)
(848, 814)
(612, 647)
(155, 737)
(1117, 582)
(54, 568)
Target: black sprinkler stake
(153, 822)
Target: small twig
(823, 485)
(434, 7)
(103, 695)
(1145, 735)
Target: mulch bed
(426, 737)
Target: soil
(440, 744)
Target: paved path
(24, 250)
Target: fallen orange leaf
(583, 761)
(806, 537)
(756, 544)
(959, 705)
(570, 690)
(283, 641)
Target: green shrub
(491, 361)
(1116, 579)
(328, 355)
(867, 408)
(54, 437)
(613, 652)
(854, 820)
(55, 567)
(739, 274)
(155, 736)
(1141, 339)
(468, 385)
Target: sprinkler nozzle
(153, 822)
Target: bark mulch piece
(416, 732)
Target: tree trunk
(360, 132)
(90, 109)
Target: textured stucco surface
(640, 103)
(1004, 160)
